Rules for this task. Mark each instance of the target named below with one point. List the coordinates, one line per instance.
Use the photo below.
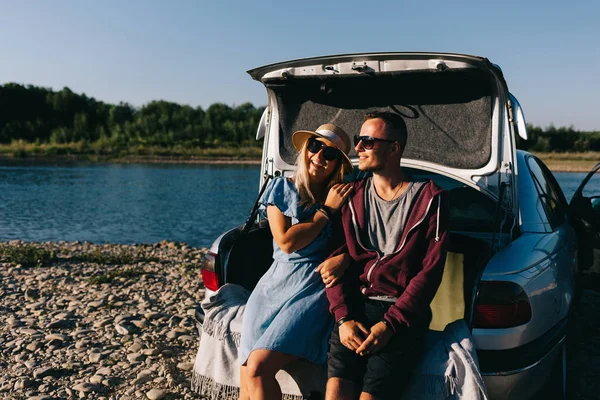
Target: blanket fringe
(221, 331)
(434, 385)
(211, 390)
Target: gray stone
(95, 357)
(61, 323)
(185, 366)
(153, 315)
(124, 329)
(104, 371)
(23, 384)
(96, 304)
(43, 372)
(150, 352)
(135, 357)
(156, 394)
(29, 331)
(33, 346)
(140, 323)
(102, 323)
(96, 379)
(85, 387)
(111, 381)
(141, 380)
(58, 336)
(13, 323)
(144, 372)
(134, 348)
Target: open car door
(585, 215)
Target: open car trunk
(251, 256)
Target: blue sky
(197, 52)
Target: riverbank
(100, 152)
(73, 152)
(570, 162)
(98, 321)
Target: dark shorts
(385, 374)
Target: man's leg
(345, 370)
(340, 389)
(389, 372)
(261, 367)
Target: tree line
(37, 114)
(40, 115)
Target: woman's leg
(261, 367)
(244, 395)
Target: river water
(134, 203)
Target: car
(521, 246)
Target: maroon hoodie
(412, 274)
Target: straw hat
(334, 134)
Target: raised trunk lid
(455, 108)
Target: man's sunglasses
(329, 153)
(368, 142)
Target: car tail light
(501, 305)
(209, 275)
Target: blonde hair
(302, 179)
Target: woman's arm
(290, 237)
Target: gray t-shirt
(387, 219)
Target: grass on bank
(32, 256)
(27, 256)
(109, 277)
(570, 162)
(125, 256)
(98, 151)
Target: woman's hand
(337, 195)
(332, 269)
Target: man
(394, 250)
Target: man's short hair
(394, 122)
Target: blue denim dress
(288, 310)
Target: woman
(291, 296)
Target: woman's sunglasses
(368, 142)
(329, 153)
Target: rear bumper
(521, 372)
(525, 383)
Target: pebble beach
(82, 320)
(79, 320)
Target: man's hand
(379, 337)
(332, 269)
(352, 334)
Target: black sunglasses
(329, 153)
(368, 142)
